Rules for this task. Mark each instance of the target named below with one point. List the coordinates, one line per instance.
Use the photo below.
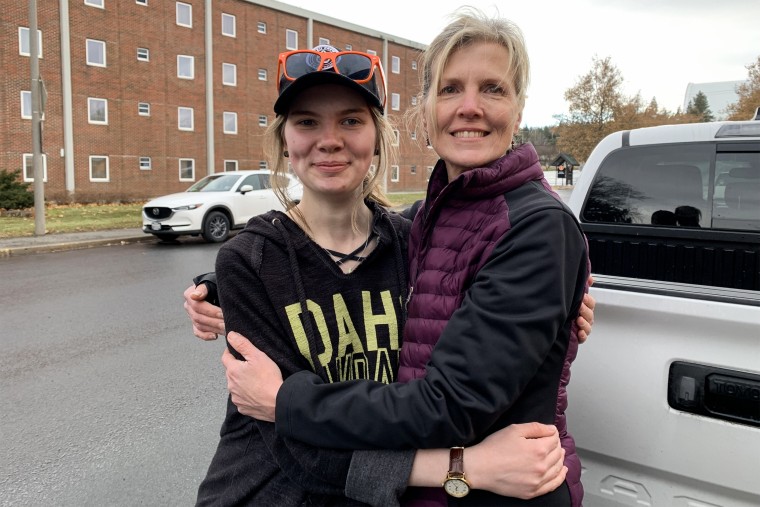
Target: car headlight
(187, 207)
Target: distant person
(688, 216)
(664, 217)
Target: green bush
(14, 194)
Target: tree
(592, 104)
(14, 194)
(749, 95)
(698, 106)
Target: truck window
(653, 185)
(736, 200)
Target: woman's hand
(254, 382)
(522, 461)
(207, 319)
(586, 318)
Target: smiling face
(330, 135)
(476, 108)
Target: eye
(306, 122)
(496, 89)
(447, 90)
(352, 122)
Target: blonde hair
(468, 27)
(274, 146)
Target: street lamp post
(39, 188)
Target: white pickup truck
(665, 397)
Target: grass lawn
(98, 217)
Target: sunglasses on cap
(363, 69)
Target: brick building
(145, 97)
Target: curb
(71, 245)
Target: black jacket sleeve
(492, 348)
(316, 470)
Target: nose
(330, 139)
(470, 104)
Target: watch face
(456, 487)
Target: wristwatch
(455, 483)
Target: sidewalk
(11, 247)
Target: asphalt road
(107, 398)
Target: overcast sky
(660, 46)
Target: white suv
(214, 205)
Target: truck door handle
(714, 392)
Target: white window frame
(263, 120)
(26, 104)
(100, 4)
(192, 167)
(229, 122)
(189, 110)
(108, 175)
(24, 44)
(228, 17)
(182, 9)
(233, 163)
(261, 27)
(349, 47)
(141, 2)
(414, 64)
(90, 110)
(414, 100)
(143, 108)
(143, 54)
(229, 68)
(146, 164)
(26, 162)
(263, 75)
(396, 137)
(395, 101)
(291, 39)
(412, 169)
(185, 59)
(263, 165)
(91, 53)
(413, 135)
(395, 65)
(324, 41)
(394, 172)
(371, 52)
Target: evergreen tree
(698, 106)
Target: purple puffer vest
(468, 216)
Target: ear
(518, 123)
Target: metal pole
(39, 188)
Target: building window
(394, 173)
(229, 74)
(141, 2)
(143, 54)
(396, 137)
(230, 165)
(395, 64)
(185, 118)
(413, 169)
(395, 101)
(228, 25)
(143, 109)
(262, 74)
(349, 47)
(184, 14)
(29, 167)
(429, 172)
(97, 111)
(263, 165)
(413, 135)
(324, 42)
(23, 42)
(145, 164)
(291, 39)
(96, 53)
(230, 122)
(186, 169)
(261, 27)
(98, 168)
(414, 100)
(414, 64)
(96, 3)
(371, 52)
(185, 67)
(263, 120)
(26, 105)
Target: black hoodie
(269, 277)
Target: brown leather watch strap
(456, 460)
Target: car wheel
(167, 238)
(216, 227)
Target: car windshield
(215, 183)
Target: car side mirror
(245, 189)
